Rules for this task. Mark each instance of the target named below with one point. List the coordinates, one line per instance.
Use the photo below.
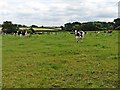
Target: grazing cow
(19, 33)
(23, 33)
(79, 35)
(109, 31)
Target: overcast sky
(57, 12)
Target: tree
(117, 28)
(110, 26)
(8, 27)
(34, 26)
(76, 27)
(76, 23)
(62, 28)
(89, 26)
(98, 25)
(68, 27)
(117, 22)
(31, 30)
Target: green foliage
(62, 28)
(117, 28)
(68, 27)
(89, 26)
(34, 26)
(98, 25)
(76, 27)
(8, 27)
(117, 22)
(31, 30)
(50, 61)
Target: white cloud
(57, 12)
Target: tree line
(9, 27)
(93, 26)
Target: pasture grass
(57, 60)
(0, 62)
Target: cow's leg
(20, 35)
(77, 38)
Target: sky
(119, 9)
(57, 12)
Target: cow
(109, 31)
(23, 33)
(79, 35)
(19, 33)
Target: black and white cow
(23, 33)
(79, 34)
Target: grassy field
(57, 60)
(0, 61)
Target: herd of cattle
(22, 33)
(19, 33)
(79, 34)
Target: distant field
(42, 28)
(0, 28)
(56, 60)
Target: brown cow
(109, 31)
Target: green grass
(48, 61)
(0, 62)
